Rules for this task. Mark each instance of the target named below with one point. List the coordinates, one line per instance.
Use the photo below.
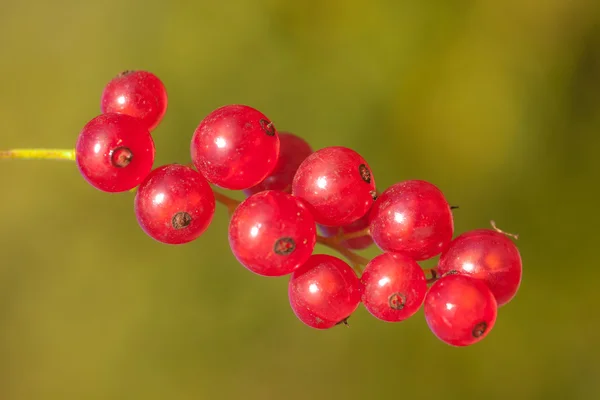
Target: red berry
(460, 310)
(487, 255)
(272, 233)
(175, 204)
(324, 291)
(292, 151)
(337, 183)
(395, 287)
(355, 243)
(114, 152)
(413, 218)
(235, 147)
(136, 93)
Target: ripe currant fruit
(395, 287)
(460, 310)
(324, 291)
(272, 233)
(292, 151)
(174, 204)
(337, 183)
(412, 217)
(114, 152)
(487, 255)
(137, 93)
(235, 147)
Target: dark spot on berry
(451, 272)
(397, 301)
(125, 73)
(479, 329)
(365, 174)
(121, 157)
(181, 220)
(284, 246)
(373, 194)
(267, 126)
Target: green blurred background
(496, 102)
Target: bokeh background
(496, 102)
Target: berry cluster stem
(39, 154)
(333, 243)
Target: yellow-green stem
(334, 243)
(39, 154)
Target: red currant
(114, 152)
(395, 287)
(337, 183)
(174, 204)
(324, 291)
(355, 243)
(487, 255)
(272, 233)
(412, 217)
(460, 310)
(292, 151)
(137, 93)
(235, 147)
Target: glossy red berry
(337, 183)
(487, 255)
(114, 152)
(137, 93)
(235, 147)
(174, 204)
(324, 291)
(292, 151)
(272, 233)
(412, 217)
(460, 310)
(354, 243)
(395, 287)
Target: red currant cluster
(291, 192)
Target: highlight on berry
(298, 198)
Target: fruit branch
(39, 154)
(333, 243)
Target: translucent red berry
(174, 204)
(412, 217)
(460, 310)
(235, 147)
(292, 151)
(337, 183)
(395, 287)
(272, 233)
(355, 243)
(487, 255)
(137, 93)
(324, 291)
(114, 152)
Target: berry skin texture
(272, 233)
(395, 287)
(114, 152)
(292, 151)
(337, 183)
(414, 218)
(137, 93)
(324, 291)
(174, 204)
(235, 147)
(460, 310)
(487, 255)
